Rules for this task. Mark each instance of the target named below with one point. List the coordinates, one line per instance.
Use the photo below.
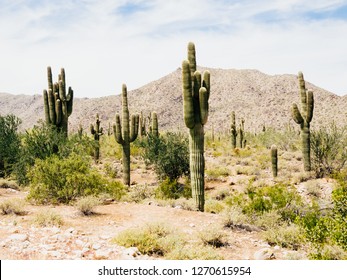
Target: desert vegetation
(286, 188)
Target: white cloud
(101, 46)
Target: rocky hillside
(259, 98)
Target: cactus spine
(154, 126)
(304, 118)
(196, 92)
(58, 104)
(97, 132)
(126, 133)
(274, 160)
(233, 130)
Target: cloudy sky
(104, 43)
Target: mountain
(259, 98)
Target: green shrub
(56, 180)
(9, 143)
(149, 240)
(285, 236)
(213, 236)
(41, 142)
(169, 154)
(329, 154)
(168, 189)
(328, 252)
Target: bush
(169, 154)
(12, 206)
(171, 189)
(329, 154)
(56, 180)
(86, 205)
(9, 143)
(48, 218)
(44, 141)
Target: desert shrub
(9, 143)
(8, 184)
(285, 236)
(55, 180)
(43, 141)
(48, 218)
(213, 206)
(149, 240)
(110, 171)
(329, 154)
(12, 206)
(217, 172)
(328, 252)
(169, 154)
(193, 252)
(86, 205)
(213, 236)
(172, 189)
(139, 192)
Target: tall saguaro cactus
(57, 102)
(97, 132)
(274, 160)
(233, 130)
(242, 133)
(126, 133)
(304, 119)
(196, 92)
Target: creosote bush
(56, 180)
(169, 154)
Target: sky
(103, 44)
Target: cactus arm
(192, 57)
(310, 106)
(206, 82)
(46, 106)
(203, 99)
(134, 127)
(117, 129)
(69, 100)
(296, 114)
(51, 105)
(49, 78)
(188, 108)
(92, 130)
(58, 111)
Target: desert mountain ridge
(259, 98)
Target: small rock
(102, 254)
(79, 242)
(96, 246)
(18, 237)
(264, 254)
(191, 225)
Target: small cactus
(196, 92)
(274, 160)
(57, 102)
(97, 132)
(304, 119)
(233, 130)
(126, 133)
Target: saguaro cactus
(274, 160)
(126, 133)
(154, 126)
(233, 130)
(196, 92)
(97, 132)
(142, 123)
(304, 118)
(242, 133)
(58, 104)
